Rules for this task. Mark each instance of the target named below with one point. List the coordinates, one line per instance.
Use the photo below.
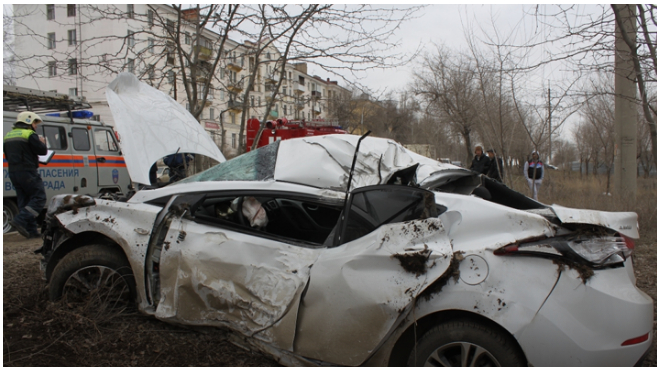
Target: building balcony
(233, 64)
(204, 53)
(299, 88)
(269, 98)
(235, 87)
(270, 87)
(316, 94)
(300, 106)
(235, 105)
(316, 110)
(272, 79)
(273, 115)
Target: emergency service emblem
(115, 176)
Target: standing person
(22, 147)
(496, 169)
(480, 162)
(534, 174)
(177, 165)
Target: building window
(211, 113)
(50, 12)
(151, 72)
(170, 76)
(131, 38)
(151, 46)
(259, 101)
(130, 11)
(73, 92)
(150, 18)
(71, 10)
(233, 118)
(284, 90)
(52, 69)
(170, 26)
(186, 38)
(72, 37)
(252, 101)
(187, 106)
(222, 95)
(51, 40)
(284, 109)
(233, 138)
(73, 66)
(130, 65)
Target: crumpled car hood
(152, 125)
(325, 161)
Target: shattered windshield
(254, 165)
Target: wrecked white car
(420, 263)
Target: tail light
(637, 340)
(595, 251)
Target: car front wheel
(96, 278)
(463, 343)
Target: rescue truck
(87, 158)
(282, 129)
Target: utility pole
(625, 113)
(549, 126)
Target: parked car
(413, 262)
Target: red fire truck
(282, 129)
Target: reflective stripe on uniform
(18, 134)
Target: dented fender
(129, 225)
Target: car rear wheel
(462, 343)
(9, 211)
(95, 278)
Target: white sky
(439, 24)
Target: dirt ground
(37, 332)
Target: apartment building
(77, 49)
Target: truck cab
(87, 159)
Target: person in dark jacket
(480, 162)
(177, 165)
(496, 169)
(534, 173)
(22, 147)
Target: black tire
(465, 343)
(9, 211)
(95, 278)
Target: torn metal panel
(218, 277)
(152, 125)
(622, 222)
(377, 160)
(358, 290)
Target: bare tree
(587, 44)
(448, 86)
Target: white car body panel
(359, 288)
(581, 324)
(377, 161)
(622, 222)
(152, 125)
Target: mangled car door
(391, 247)
(225, 276)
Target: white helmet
(28, 117)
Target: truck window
(104, 141)
(80, 139)
(55, 136)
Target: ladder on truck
(17, 99)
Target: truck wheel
(95, 278)
(9, 211)
(463, 343)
